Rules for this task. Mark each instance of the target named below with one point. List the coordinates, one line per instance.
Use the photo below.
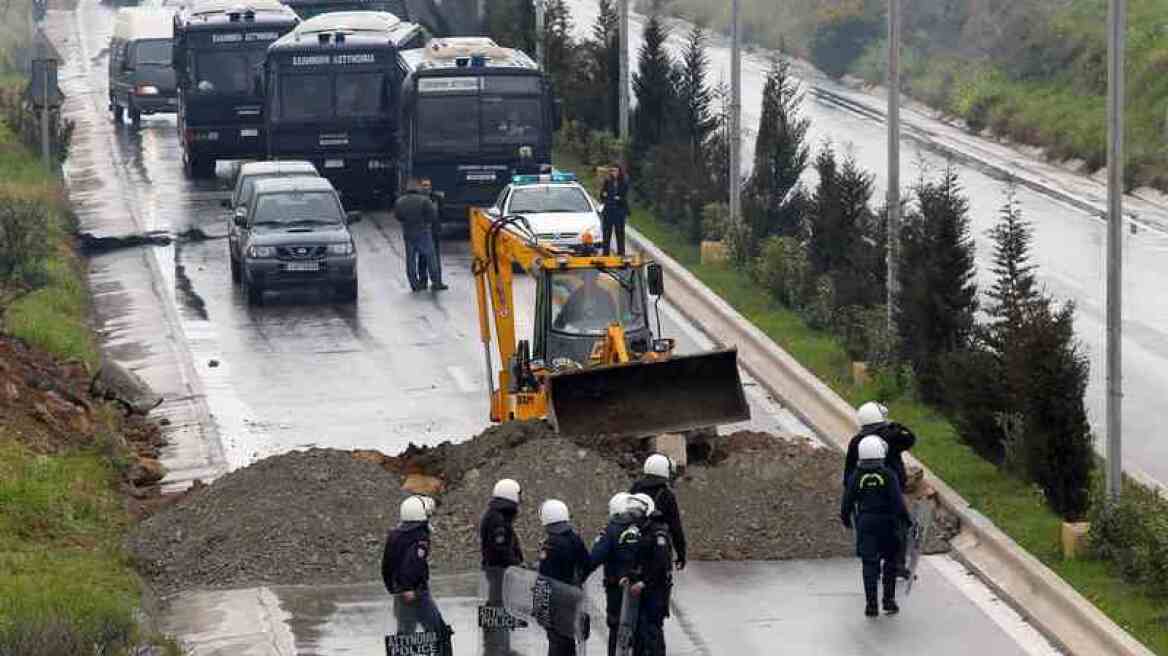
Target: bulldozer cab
(575, 306)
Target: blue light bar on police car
(554, 176)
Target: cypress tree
(654, 85)
(606, 58)
(781, 153)
(694, 95)
(938, 295)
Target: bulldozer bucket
(646, 398)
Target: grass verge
(1016, 508)
(67, 586)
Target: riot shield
(918, 534)
(523, 611)
(630, 607)
(415, 627)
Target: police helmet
(641, 505)
(618, 504)
(553, 511)
(507, 489)
(658, 465)
(872, 413)
(872, 447)
(413, 509)
(428, 503)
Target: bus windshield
(469, 123)
(325, 96)
(153, 52)
(228, 71)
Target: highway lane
(1063, 208)
(395, 367)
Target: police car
(556, 206)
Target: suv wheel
(255, 293)
(347, 291)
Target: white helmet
(413, 509)
(658, 465)
(641, 504)
(506, 489)
(872, 413)
(618, 504)
(553, 511)
(872, 447)
(428, 503)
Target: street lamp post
(1117, 24)
(893, 254)
(735, 118)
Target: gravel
(320, 516)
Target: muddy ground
(320, 516)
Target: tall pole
(735, 119)
(540, 37)
(1117, 21)
(624, 70)
(893, 253)
(46, 148)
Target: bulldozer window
(586, 302)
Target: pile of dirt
(316, 516)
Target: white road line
(1008, 620)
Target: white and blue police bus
(218, 56)
(469, 109)
(332, 98)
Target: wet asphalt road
(1064, 208)
(242, 383)
(302, 370)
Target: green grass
(52, 318)
(1015, 507)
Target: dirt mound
(767, 499)
(317, 516)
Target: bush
(1134, 536)
(23, 245)
(25, 122)
(783, 269)
(864, 330)
(840, 39)
(715, 220)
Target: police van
(469, 109)
(141, 77)
(218, 55)
(332, 98)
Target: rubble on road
(321, 516)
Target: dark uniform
(564, 558)
(654, 568)
(405, 567)
(658, 489)
(898, 438)
(873, 494)
(418, 214)
(500, 550)
(616, 550)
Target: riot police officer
(651, 578)
(874, 496)
(657, 471)
(500, 549)
(564, 558)
(405, 569)
(616, 551)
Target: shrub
(783, 269)
(23, 245)
(715, 220)
(840, 39)
(1133, 534)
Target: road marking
(1008, 620)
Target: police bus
(219, 48)
(469, 109)
(309, 8)
(332, 91)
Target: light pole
(1117, 25)
(893, 197)
(540, 37)
(735, 119)
(624, 70)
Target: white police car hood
(562, 225)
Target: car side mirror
(241, 216)
(654, 279)
(352, 217)
(494, 212)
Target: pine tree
(606, 57)
(843, 230)
(780, 153)
(938, 293)
(511, 23)
(560, 52)
(655, 86)
(1014, 286)
(694, 95)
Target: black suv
(295, 232)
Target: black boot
(871, 610)
(890, 606)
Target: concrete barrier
(1036, 592)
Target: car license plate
(302, 266)
(249, 132)
(334, 163)
(480, 177)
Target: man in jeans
(418, 214)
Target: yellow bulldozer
(593, 366)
